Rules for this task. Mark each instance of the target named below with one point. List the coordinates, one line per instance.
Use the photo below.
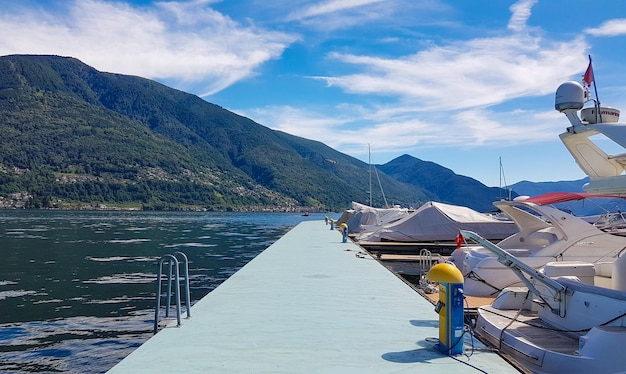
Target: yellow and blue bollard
(332, 224)
(449, 307)
(326, 219)
(344, 231)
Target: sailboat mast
(369, 162)
(500, 190)
(508, 191)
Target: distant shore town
(23, 200)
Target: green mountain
(449, 187)
(73, 135)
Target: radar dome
(569, 95)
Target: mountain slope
(444, 183)
(74, 133)
(538, 188)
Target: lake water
(77, 288)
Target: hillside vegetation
(73, 136)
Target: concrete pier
(309, 304)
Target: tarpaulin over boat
(361, 216)
(439, 222)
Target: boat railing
(172, 282)
(556, 301)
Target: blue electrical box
(449, 307)
(452, 318)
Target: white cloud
(467, 74)
(445, 96)
(521, 11)
(400, 129)
(478, 72)
(182, 42)
(615, 27)
(326, 17)
(328, 7)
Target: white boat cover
(365, 216)
(435, 221)
(345, 216)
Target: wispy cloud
(615, 27)
(328, 16)
(472, 73)
(521, 11)
(397, 129)
(179, 42)
(479, 72)
(444, 95)
(328, 7)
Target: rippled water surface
(77, 289)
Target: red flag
(459, 241)
(588, 77)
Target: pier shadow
(426, 353)
(427, 350)
(425, 323)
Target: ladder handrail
(172, 262)
(185, 263)
(425, 262)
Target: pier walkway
(309, 304)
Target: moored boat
(568, 316)
(606, 171)
(361, 216)
(545, 234)
(558, 323)
(435, 221)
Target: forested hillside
(72, 135)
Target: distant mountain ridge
(539, 188)
(585, 207)
(74, 135)
(449, 187)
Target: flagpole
(595, 90)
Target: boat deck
(309, 303)
(526, 325)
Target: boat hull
(526, 339)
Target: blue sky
(460, 83)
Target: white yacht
(569, 316)
(560, 322)
(545, 234)
(605, 171)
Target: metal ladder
(426, 261)
(172, 265)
